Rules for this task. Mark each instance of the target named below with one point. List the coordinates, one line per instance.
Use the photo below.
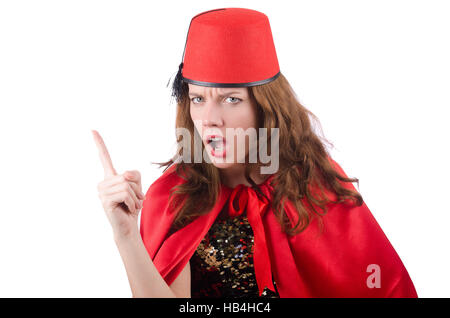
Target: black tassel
(178, 89)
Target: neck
(235, 175)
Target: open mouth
(217, 143)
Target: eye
(192, 99)
(237, 100)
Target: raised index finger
(104, 155)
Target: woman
(293, 226)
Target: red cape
(330, 261)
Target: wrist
(120, 236)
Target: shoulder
(337, 167)
(157, 215)
(164, 183)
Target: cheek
(195, 116)
(244, 118)
(192, 113)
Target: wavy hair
(303, 161)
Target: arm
(121, 196)
(144, 278)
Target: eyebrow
(220, 95)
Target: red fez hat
(227, 47)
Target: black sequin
(222, 265)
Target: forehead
(204, 90)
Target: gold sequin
(222, 265)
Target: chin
(223, 165)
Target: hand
(121, 194)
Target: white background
(376, 73)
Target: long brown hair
(303, 161)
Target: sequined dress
(222, 265)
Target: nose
(212, 115)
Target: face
(218, 111)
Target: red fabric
(256, 208)
(230, 45)
(328, 261)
